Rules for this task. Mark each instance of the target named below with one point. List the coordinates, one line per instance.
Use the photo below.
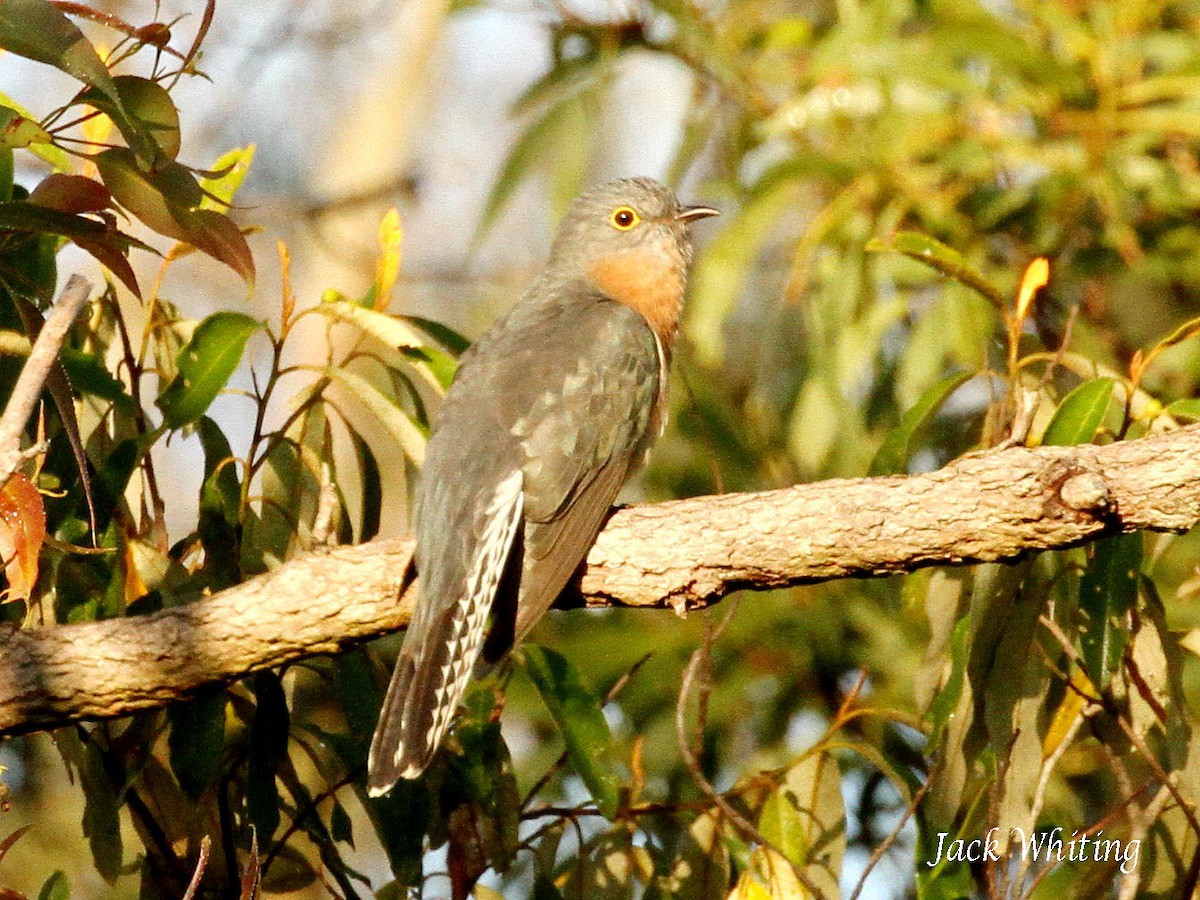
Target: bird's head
(630, 240)
(622, 216)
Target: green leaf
(204, 366)
(196, 743)
(359, 696)
(161, 198)
(372, 490)
(266, 749)
(55, 156)
(101, 815)
(401, 818)
(6, 175)
(102, 240)
(701, 867)
(290, 871)
(35, 218)
(112, 479)
(439, 365)
(340, 825)
(1187, 408)
(805, 819)
(89, 375)
(893, 456)
(903, 780)
(447, 337)
(220, 509)
(607, 867)
(148, 106)
(18, 131)
(56, 887)
(402, 430)
(1107, 592)
(53, 206)
(545, 889)
(945, 879)
(1080, 414)
(576, 711)
(36, 30)
(946, 260)
(391, 330)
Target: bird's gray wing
(467, 512)
(580, 451)
(546, 417)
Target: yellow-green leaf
(946, 260)
(892, 457)
(384, 409)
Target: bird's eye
(623, 218)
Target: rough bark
(684, 554)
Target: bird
(549, 413)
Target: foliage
(892, 168)
(896, 174)
(206, 782)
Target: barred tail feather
(433, 669)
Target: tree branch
(683, 555)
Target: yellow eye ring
(624, 218)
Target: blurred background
(825, 132)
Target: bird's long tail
(435, 665)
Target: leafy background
(888, 171)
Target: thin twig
(37, 368)
(692, 762)
(310, 808)
(1162, 775)
(893, 835)
(1039, 792)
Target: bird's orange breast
(649, 280)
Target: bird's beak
(690, 213)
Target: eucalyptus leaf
(196, 741)
(204, 366)
(402, 430)
(576, 711)
(894, 454)
(1080, 414)
(944, 259)
(1107, 591)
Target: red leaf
(109, 251)
(165, 198)
(22, 533)
(216, 235)
(71, 194)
